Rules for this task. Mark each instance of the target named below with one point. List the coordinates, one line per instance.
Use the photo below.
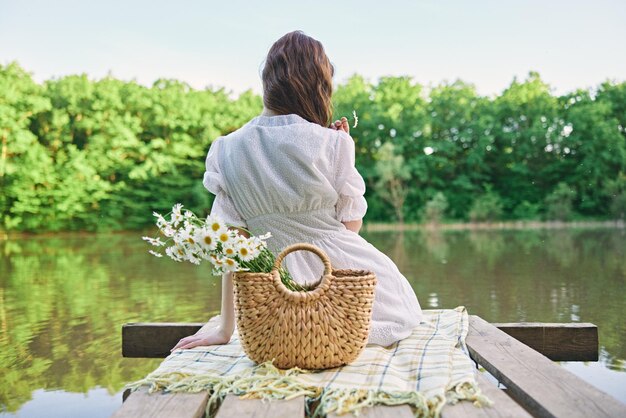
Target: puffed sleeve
(223, 205)
(349, 184)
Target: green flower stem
(264, 263)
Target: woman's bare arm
(354, 226)
(210, 334)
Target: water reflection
(533, 275)
(63, 299)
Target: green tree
(435, 208)
(459, 135)
(26, 170)
(526, 128)
(487, 207)
(559, 203)
(392, 174)
(616, 188)
(594, 151)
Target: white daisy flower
(257, 244)
(254, 252)
(154, 253)
(160, 219)
(175, 253)
(177, 216)
(181, 251)
(230, 265)
(245, 253)
(217, 263)
(167, 230)
(225, 236)
(154, 241)
(188, 235)
(193, 259)
(206, 238)
(229, 249)
(214, 223)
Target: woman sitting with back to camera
(291, 172)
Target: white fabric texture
(297, 180)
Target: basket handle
(306, 247)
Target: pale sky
(571, 44)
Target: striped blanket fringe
(270, 383)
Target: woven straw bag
(318, 329)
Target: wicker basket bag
(318, 329)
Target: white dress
(297, 180)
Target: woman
(290, 172)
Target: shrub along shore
(94, 155)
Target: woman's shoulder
(291, 130)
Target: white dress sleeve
(223, 205)
(349, 184)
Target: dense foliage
(80, 154)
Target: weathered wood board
(558, 342)
(233, 407)
(542, 387)
(140, 404)
(154, 340)
(563, 342)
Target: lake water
(63, 300)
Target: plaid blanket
(425, 370)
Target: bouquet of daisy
(192, 239)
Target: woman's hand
(215, 336)
(341, 125)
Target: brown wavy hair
(298, 78)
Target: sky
(572, 44)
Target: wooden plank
(398, 411)
(140, 404)
(234, 407)
(558, 342)
(561, 342)
(503, 406)
(543, 388)
(154, 340)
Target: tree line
(81, 154)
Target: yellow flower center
(215, 226)
(230, 262)
(208, 240)
(224, 237)
(190, 240)
(244, 251)
(229, 251)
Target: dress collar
(278, 120)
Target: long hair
(298, 78)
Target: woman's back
(282, 175)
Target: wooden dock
(518, 355)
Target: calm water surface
(63, 300)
